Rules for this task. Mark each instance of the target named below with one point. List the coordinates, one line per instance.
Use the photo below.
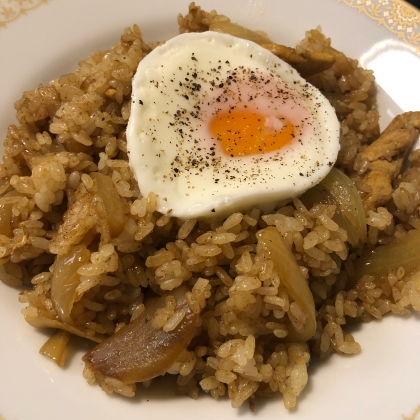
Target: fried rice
(71, 211)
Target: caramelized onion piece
(403, 252)
(8, 221)
(138, 351)
(315, 62)
(291, 277)
(5, 219)
(306, 63)
(343, 64)
(230, 28)
(38, 321)
(55, 347)
(65, 281)
(111, 202)
(337, 189)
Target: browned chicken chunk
(381, 162)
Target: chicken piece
(390, 144)
(404, 121)
(306, 63)
(412, 174)
(385, 158)
(379, 177)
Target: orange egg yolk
(245, 133)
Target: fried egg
(219, 124)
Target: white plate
(41, 40)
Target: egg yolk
(248, 133)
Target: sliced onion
(65, 280)
(111, 202)
(55, 347)
(337, 189)
(138, 351)
(403, 252)
(5, 219)
(238, 31)
(291, 277)
(43, 322)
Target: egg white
(177, 90)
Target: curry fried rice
(74, 225)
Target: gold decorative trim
(10, 10)
(397, 16)
(414, 416)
